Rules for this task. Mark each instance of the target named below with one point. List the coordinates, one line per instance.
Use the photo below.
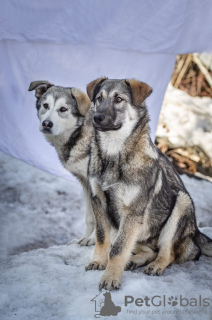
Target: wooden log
(183, 71)
(179, 64)
(202, 68)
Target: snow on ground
(39, 210)
(52, 284)
(186, 120)
(201, 193)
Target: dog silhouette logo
(104, 305)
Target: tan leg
(102, 246)
(101, 252)
(163, 260)
(120, 254)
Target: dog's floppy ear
(40, 87)
(83, 102)
(94, 86)
(139, 90)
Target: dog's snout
(98, 118)
(47, 124)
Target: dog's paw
(131, 266)
(74, 241)
(154, 269)
(93, 265)
(89, 241)
(109, 284)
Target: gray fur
(70, 134)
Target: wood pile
(192, 75)
(188, 160)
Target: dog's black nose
(98, 118)
(47, 124)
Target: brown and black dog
(135, 190)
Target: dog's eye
(45, 105)
(63, 109)
(118, 99)
(99, 99)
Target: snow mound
(52, 284)
(186, 120)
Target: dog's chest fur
(118, 178)
(132, 178)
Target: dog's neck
(127, 139)
(140, 140)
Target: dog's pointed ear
(94, 86)
(40, 87)
(83, 102)
(139, 90)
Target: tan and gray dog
(135, 189)
(66, 123)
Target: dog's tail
(205, 244)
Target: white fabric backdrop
(73, 42)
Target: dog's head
(117, 102)
(59, 109)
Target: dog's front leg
(102, 246)
(120, 253)
(88, 238)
